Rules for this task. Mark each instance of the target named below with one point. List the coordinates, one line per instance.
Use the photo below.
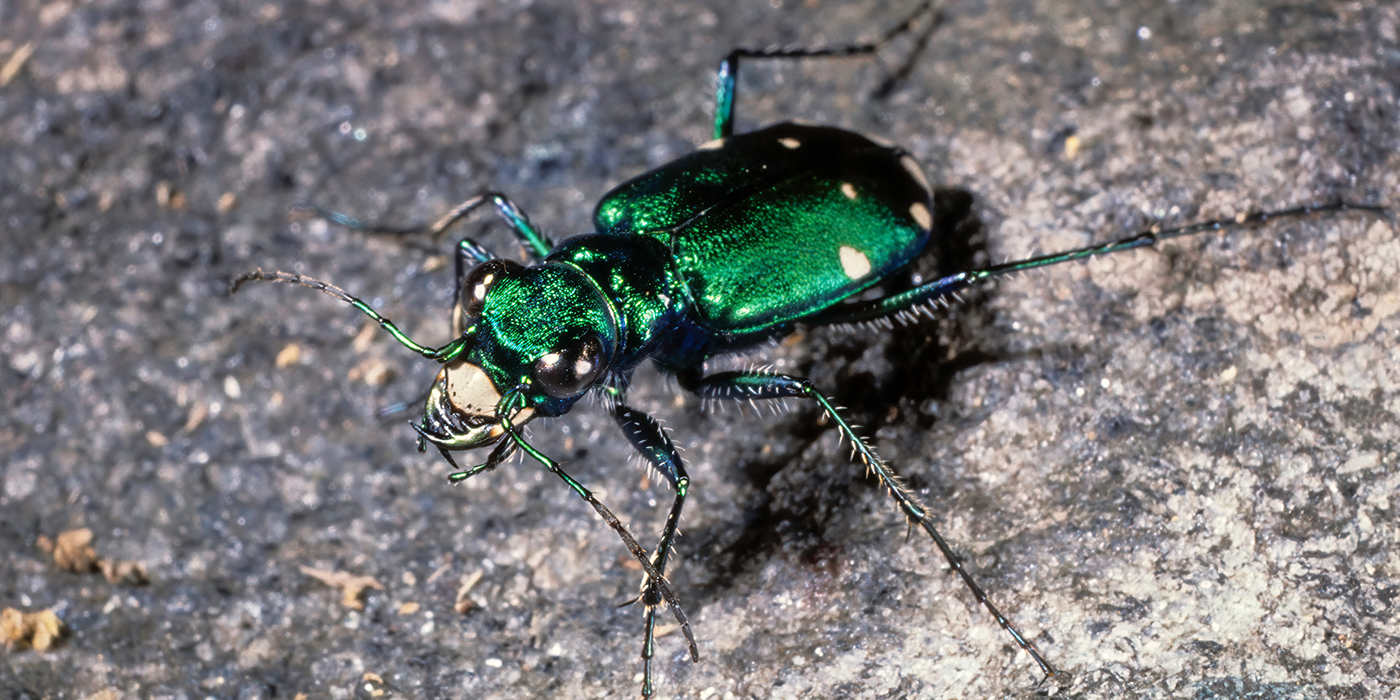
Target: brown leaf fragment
(73, 551)
(372, 685)
(12, 626)
(40, 630)
(124, 573)
(289, 355)
(465, 603)
(352, 587)
(15, 63)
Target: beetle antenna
(444, 354)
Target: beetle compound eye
(479, 281)
(572, 367)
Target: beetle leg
(766, 385)
(729, 68)
(537, 245)
(504, 450)
(904, 305)
(655, 446)
(653, 575)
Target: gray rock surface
(1173, 469)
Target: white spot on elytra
(712, 145)
(921, 215)
(854, 263)
(790, 143)
(912, 167)
(883, 143)
(849, 190)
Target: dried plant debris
(465, 603)
(41, 630)
(352, 587)
(15, 63)
(372, 685)
(73, 551)
(124, 573)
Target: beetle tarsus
(763, 385)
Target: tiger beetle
(722, 250)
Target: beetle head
(533, 341)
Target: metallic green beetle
(723, 249)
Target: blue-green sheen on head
(544, 334)
(535, 311)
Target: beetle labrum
(678, 270)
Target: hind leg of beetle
(766, 385)
(651, 441)
(536, 244)
(904, 306)
(729, 67)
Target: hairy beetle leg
(895, 305)
(648, 438)
(766, 385)
(653, 575)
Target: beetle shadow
(798, 490)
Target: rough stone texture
(1174, 469)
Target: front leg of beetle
(508, 405)
(767, 385)
(651, 441)
(537, 245)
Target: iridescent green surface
(635, 276)
(773, 225)
(530, 312)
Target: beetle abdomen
(773, 225)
